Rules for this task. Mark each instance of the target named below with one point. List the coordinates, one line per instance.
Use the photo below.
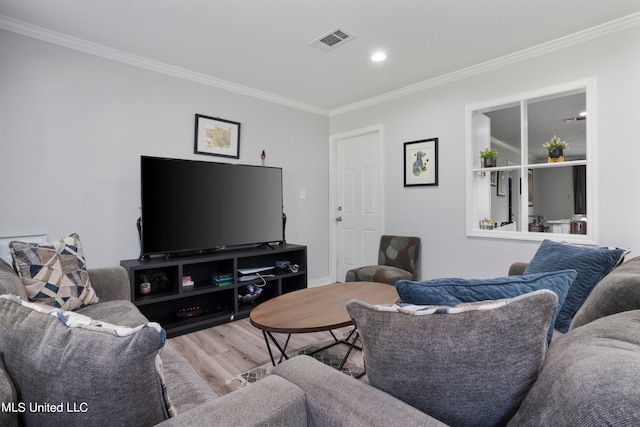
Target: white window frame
(474, 170)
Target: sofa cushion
(466, 365)
(94, 370)
(377, 273)
(54, 273)
(452, 291)
(589, 378)
(619, 291)
(120, 312)
(336, 399)
(270, 402)
(591, 264)
(10, 283)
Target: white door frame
(334, 140)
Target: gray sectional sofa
(590, 375)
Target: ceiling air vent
(331, 40)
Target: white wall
(73, 127)
(437, 214)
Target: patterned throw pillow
(466, 365)
(110, 374)
(54, 273)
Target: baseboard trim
(319, 282)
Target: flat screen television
(190, 205)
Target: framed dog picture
(421, 162)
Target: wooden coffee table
(321, 308)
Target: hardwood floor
(225, 351)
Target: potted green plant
(556, 149)
(489, 157)
(156, 277)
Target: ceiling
(261, 48)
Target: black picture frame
(501, 189)
(217, 137)
(530, 186)
(421, 163)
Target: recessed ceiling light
(377, 57)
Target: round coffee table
(321, 308)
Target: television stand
(216, 288)
(266, 245)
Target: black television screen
(190, 205)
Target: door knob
(338, 219)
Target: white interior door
(358, 212)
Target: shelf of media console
(176, 326)
(161, 303)
(188, 291)
(184, 292)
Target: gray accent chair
(398, 259)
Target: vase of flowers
(489, 157)
(556, 149)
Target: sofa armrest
(517, 268)
(272, 401)
(8, 396)
(185, 386)
(110, 283)
(618, 291)
(336, 399)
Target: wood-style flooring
(225, 351)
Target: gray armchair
(398, 258)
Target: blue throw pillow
(591, 264)
(453, 291)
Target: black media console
(182, 309)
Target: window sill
(579, 239)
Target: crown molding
(514, 58)
(75, 43)
(85, 46)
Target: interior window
(540, 186)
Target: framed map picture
(421, 162)
(217, 137)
